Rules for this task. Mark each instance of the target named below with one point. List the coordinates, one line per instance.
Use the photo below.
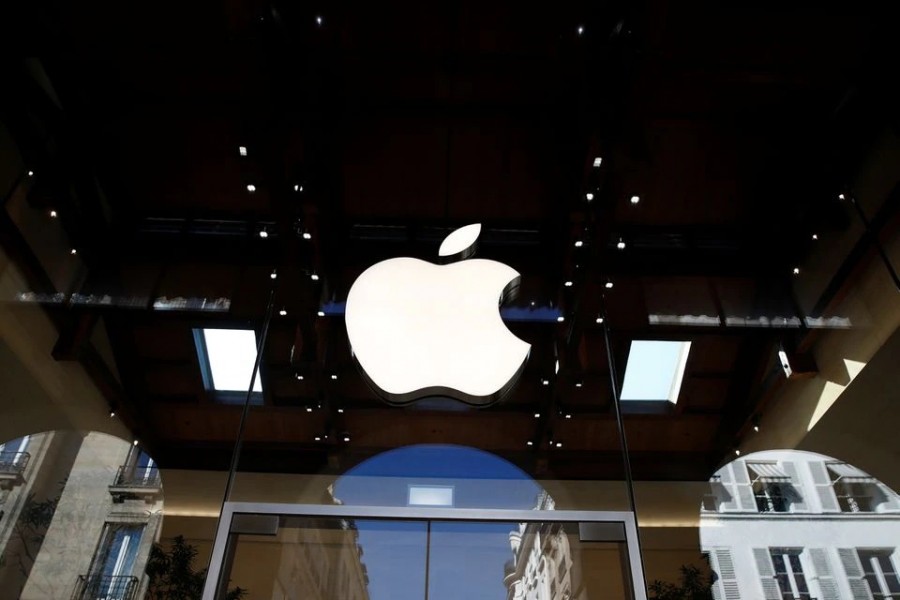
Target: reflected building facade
(80, 513)
(787, 524)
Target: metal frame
(230, 509)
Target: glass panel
(340, 559)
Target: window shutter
(766, 574)
(823, 487)
(859, 587)
(892, 502)
(746, 500)
(798, 503)
(729, 502)
(822, 572)
(726, 585)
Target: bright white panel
(430, 495)
(655, 370)
(231, 354)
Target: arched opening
(79, 514)
(794, 524)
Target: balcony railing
(135, 482)
(12, 468)
(106, 587)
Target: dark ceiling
(376, 129)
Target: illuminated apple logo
(419, 329)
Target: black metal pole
(222, 583)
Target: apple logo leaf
(460, 244)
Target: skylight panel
(231, 354)
(655, 370)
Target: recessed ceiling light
(31, 173)
(545, 382)
(537, 415)
(578, 384)
(321, 313)
(318, 438)
(53, 214)
(580, 30)
(756, 428)
(346, 438)
(341, 410)
(579, 243)
(815, 236)
(598, 161)
(319, 20)
(568, 416)
(635, 199)
(242, 150)
(560, 319)
(263, 233)
(112, 413)
(314, 276)
(559, 444)
(608, 285)
(621, 244)
(333, 376)
(598, 320)
(568, 283)
(737, 451)
(589, 196)
(840, 196)
(282, 312)
(298, 187)
(529, 443)
(251, 188)
(273, 274)
(796, 270)
(307, 235)
(73, 251)
(299, 377)
(134, 443)
(309, 409)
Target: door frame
(588, 527)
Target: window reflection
(791, 525)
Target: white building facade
(782, 525)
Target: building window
(772, 487)
(880, 573)
(789, 573)
(856, 491)
(111, 576)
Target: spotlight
(545, 382)
(589, 196)
(319, 20)
(756, 428)
(598, 320)
(840, 196)
(309, 409)
(263, 233)
(559, 444)
(134, 443)
(341, 411)
(580, 30)
(73, 251)
(608, 285)
(112, 413)
(320, 313)
(53, 214)
(334, 376)
(578, 384)
(568, 416)
(579, 243)
(31, 173)
(796, 270)
(635, 199)
(298, 187)
(251, 188)
(815, 236)
(537, 415)
(621, 244)
(273, 274)
(560, 319)
(299, 377)
(314, 277)
(568, 283)
(282, 312)
(242, 150)
(529, 443)
(307, 235)
(346, 438)
(318, 438)
(598, 161)
(737, 451)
